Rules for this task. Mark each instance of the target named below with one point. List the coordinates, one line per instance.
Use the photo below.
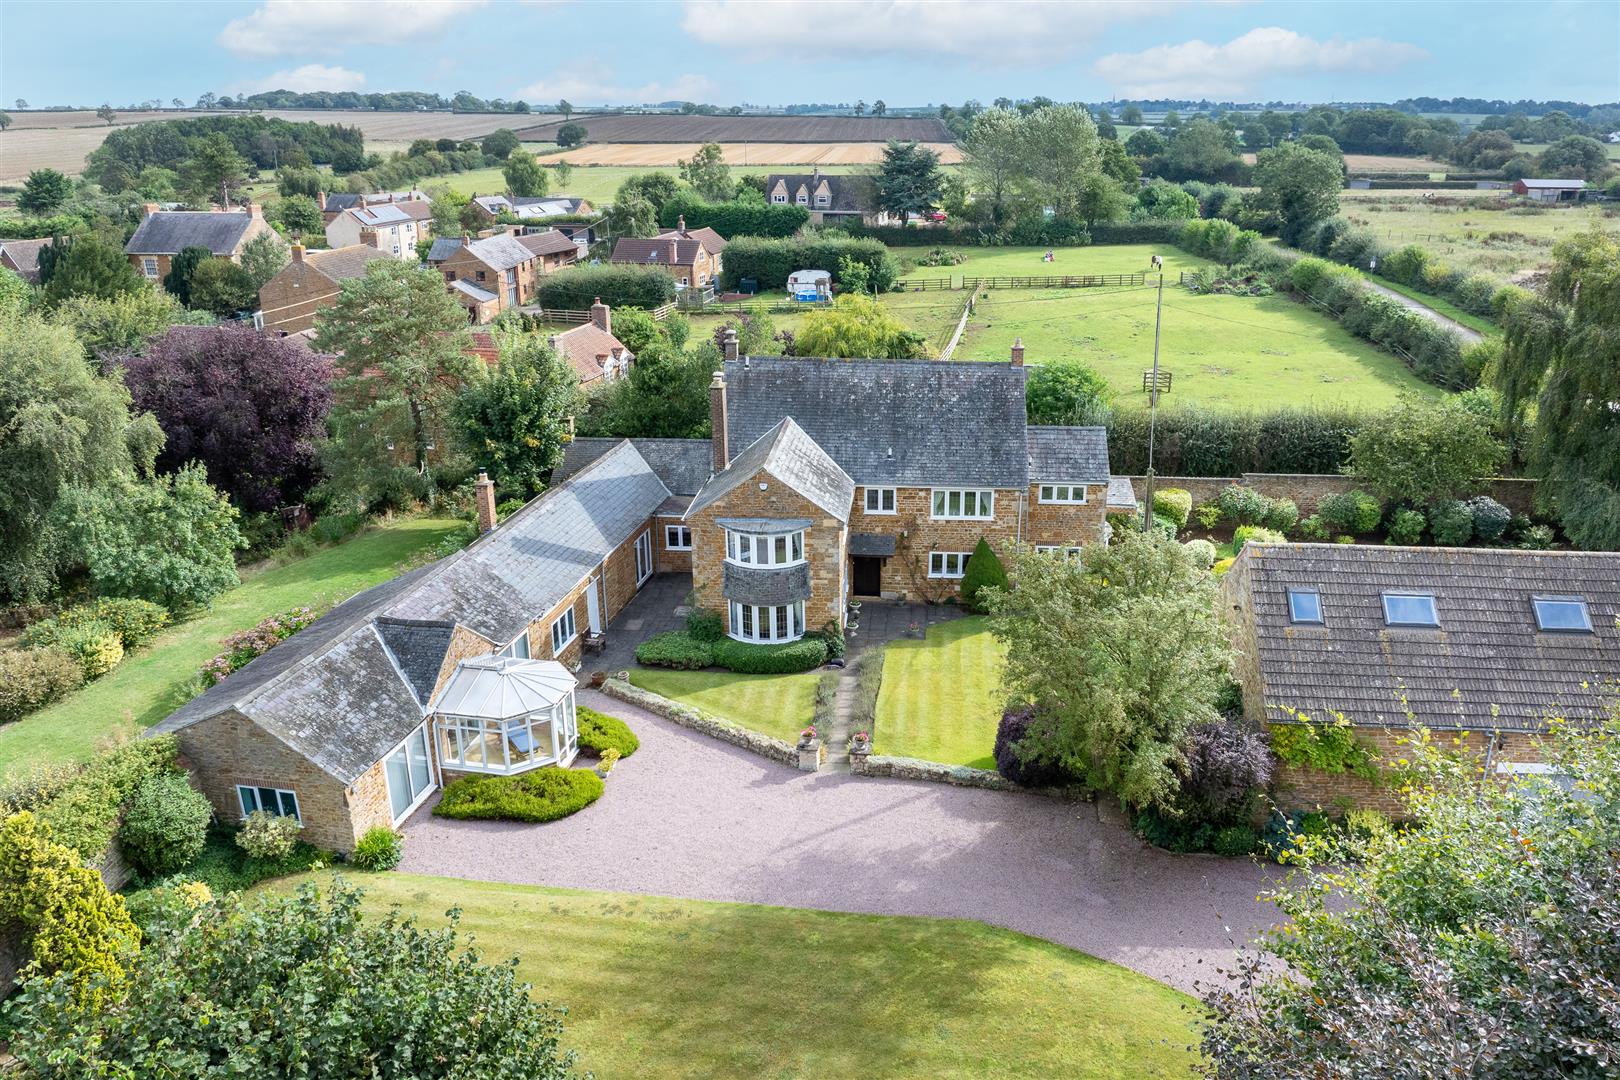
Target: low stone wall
(689, 717)
(1309, 489)
(905, 768)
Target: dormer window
(823, 199)
(1410, 609)
(1304, 606)
(1562, 614)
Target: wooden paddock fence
(572, 315)
(1065, 281)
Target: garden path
(1469, 335)
(692, 817)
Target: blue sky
(727, 51)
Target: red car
(935, 216)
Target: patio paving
(692, 817)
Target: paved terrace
(691, 817)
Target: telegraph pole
(1153, 406)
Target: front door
(593, 608)
(868, 575)
(644, 562)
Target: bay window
(971, 504)
(759, 549)
(765, 623)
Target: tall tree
(1563, 355)
(301, 216)
(44, 192)
(571, 135)
(106, 113)
(855, 327)
(1301, 185)
(86, 266)
(251, 408)
(122, 324)
(61, 424)
(263, 257)
(500, 143)
(666, 396)
(709, 174)
(1060, 148)
(995, 158)
(565, 108)
(513, 421)
(214, 170)
(5, 120)
(656, 187)
(182, 268)
(1421, 453)
(1121, 657)
(524, 176)
(909, 179)
(879, 108)
(402, 341)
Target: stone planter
(811, 755)
(598, 678)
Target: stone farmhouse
(825, 479)
(392, 228)
(309, 282)
(497, 272)
(692, 256)
(595, 354)
(163, 234)
(831, 199)
(1479, 644)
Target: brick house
(596, 355)
(692, 256)
(21, 257)
(163, 234)
(309, 282)
(389, 227)
(1482, 645)
(356, 720)
(337, 202)
(831, 199)
(490, 275)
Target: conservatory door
(410, 776)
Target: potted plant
(811, 752)
(860, 743)
(807, 737)
(598, 678)
(914, 630)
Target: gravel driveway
(691, 817)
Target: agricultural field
(763, 153)
(1386, 163)
(1536, 148)
(597, 183)
(676, 128)
(1481, 231)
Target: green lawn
(1026, 261)
(683, 988)
(779, 705)
(941, 697)
(149, 684)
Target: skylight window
(1410, 609)
(1304, 606)
(1562, 614)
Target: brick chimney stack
(484, 496)
(602, 316)
(728, 343)
(368, 236)
(255, 210)
(148, 209)
(1018, 352)
(298, 253)
(717, 422)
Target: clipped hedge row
(679, 649)
(576, 288)
(769, 261)
(1195, 441)
(541, 795)
(734, 218)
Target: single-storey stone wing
(1488, 643)
(354, 721)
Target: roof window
(1410, 609)
(1304, 606)
(1562, 614)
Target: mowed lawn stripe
(779, 705)
(681, 988)
(150, 683)
(941, 697)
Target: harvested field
(62, 140)
(1386, 163)
(744, 154)
(672, 128)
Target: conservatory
(502, 714)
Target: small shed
(1550, 191)
(810, 285)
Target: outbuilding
(810, 285)
(1550, 191)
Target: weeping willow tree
(1561, 363)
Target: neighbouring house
(490, 275)
(830, 198)
(388, 227)
(1479, 645)
(530, 208)
(596, 355)
(582, 233)
(460, 667)
(1550, 191)
(163, 234)
(692, 256)
(309, 282)
(337, 202)
(21, 257)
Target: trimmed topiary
(165, 825)
(1491, 518)
(1011, 759)
(379, 848)
(749, 659)
(542, 795)
(1173, 503)
(983, 571)
(599, 733)
(675, 649)
(31, 679)
(1451, 524)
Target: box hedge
(599, 732)
(747, 658)
(541, 795)
(576, 288)
(675, 649)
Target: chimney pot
(484, 496)
(255, 210)
(718, 437)
(728, 343)
(1018, 352)
(298, 253)
(148, 209)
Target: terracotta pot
(598, 678)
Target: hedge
(542, 795)
(576, 288)
(746, 658)
(1195, 441)
(84, 814)
(94, 645)
(134, 621)
(731, 219)
(31, 679)
(675, 649)
(769, 261)
(599, 732)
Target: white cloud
(582, 86)
(1239, 67)
(288, 27)
(303, 80)
(991, 34)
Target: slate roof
(891, 422)
(500, 252)
(879, 545)
(850, 194)
(382, 214)
(339, 201)
(1486, 654)
(1068, 454)
(793, 457)
(684, 465)
(168, 232)
(25, 254)
(483, 296)
(443, 247)
(418, 649)
(1121, 493)
(342, 263)
(510, 575)
(782, 585)
(550, 242)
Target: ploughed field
(677, 128)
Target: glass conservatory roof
(496, 687)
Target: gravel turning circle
(691, 817)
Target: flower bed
(241, 649)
